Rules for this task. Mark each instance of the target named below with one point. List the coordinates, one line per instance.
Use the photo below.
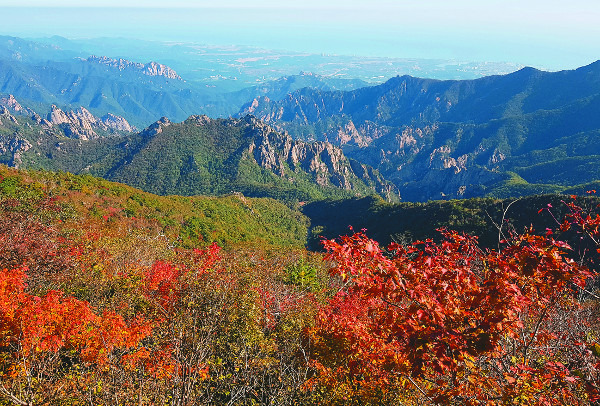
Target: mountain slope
(439, 139)
(141, 92)
(198, 156)
(206, 156)
(171, 220)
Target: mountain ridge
(461, 136)
(149, 69)
(217, 156)
(197, 156)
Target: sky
(547, 34)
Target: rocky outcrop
(6, 117)
(157, 69)
(149, 69)
(41, 121)
(15, 107)
(200, 119)
(76, 124)
(327, 164)
(82, 124)
(156, 128)
(13, 146)
(348, 134)
(79, 123)
(11, 103)
(440, 158)
(117, 123)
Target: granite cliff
(149, 69)
(82, 124)
(22, 130)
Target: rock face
(149, 69)
(5, 116)
(12, 144)
(277, 151)
(76, 124)
(82, 124)
(117, 123)
(273, 150)
(156, 128)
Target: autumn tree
(449, 323)
(48, 342)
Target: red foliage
(205, 259)
(34, 324)
(450, 321)
(165, 281)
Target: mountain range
(141, 92)
(197, 156)
(306, 136)
(522, 133)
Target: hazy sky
(543, 33)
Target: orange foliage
(450, 323)
(33, 324)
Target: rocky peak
(270, 149)
(200, 120)
(251, 107)
(156, 128)
(157, 69)
(149, 69)
(57, 116)
(11, 103)
(117, 123)
(83, 125)
(14, 106)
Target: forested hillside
(524, 133)
(112, 295)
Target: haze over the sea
(547, 34)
